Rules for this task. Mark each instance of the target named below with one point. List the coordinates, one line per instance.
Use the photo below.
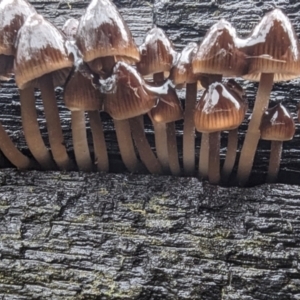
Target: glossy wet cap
(168, 108)
(219, 53)
(80, 95)
(277, 124)
(13, 14)
(40, 50)
(273, 47)
(182, 71)
(157, 53)
(103, 32)
(127, 96)
(70, 28)
(220, 108)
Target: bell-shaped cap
(168, 108)
(157, 53)
(273, 47)
(13, 14)
(40, 50)
(219, 53)
(103, 32)
(70, 28)
(127, 96)
(220, 108)
(182, 71)
(277, 124)
(80, 94)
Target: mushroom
(42, 61)
(220, 108)
(157, 57)
(273, 55)
(127, 96)
(12, 16)
(104, 38)
(218, 55)
(277, 125)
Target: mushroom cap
(40, 50)
(13, 14)
(80, 95)
(130, 97)
(277, 124)
(182, 70)
(219, 53)
(220, 108)
(157, 53)
(273, 47)
(103, 32)
(168, 108)
(70, 28)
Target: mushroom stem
(32, 132)
(161, 145)
(172, 149)
(253, 133)
(126, 146)
(146, 154)
(189, 130)
(81, 148)
(230, 155)
(12, 153)
(204, 156)
(100, 151)
(274, 162)
(56, 138)
(214, 158)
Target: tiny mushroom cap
(277, 124)
(102, 32)
(127, 94)
(157, 53)
(13, 14)
(219, 53)
(220, 108)
(40, 50)
(168, 108)
(70, 28)
(273, 47)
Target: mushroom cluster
(97, 62)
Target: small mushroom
(277, 125)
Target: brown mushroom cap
(277, 124)
(273, 47)
(157, 53)
(220, 108)
(103, 32)
(130, 98)
(219, 53)
(40, 50)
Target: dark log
(120, 236)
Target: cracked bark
(119, 236)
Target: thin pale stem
(126, 146)
(253, 133)
(146, 154)
(32, 132)
(173, 150)
(81, 148)
(189, 130)
(10, 151)
(161, 145)
(100, 150)
(274, 162)
(55, 134)
(230, 155)
(214, 158)
(204, 156)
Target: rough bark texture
(117, 236)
